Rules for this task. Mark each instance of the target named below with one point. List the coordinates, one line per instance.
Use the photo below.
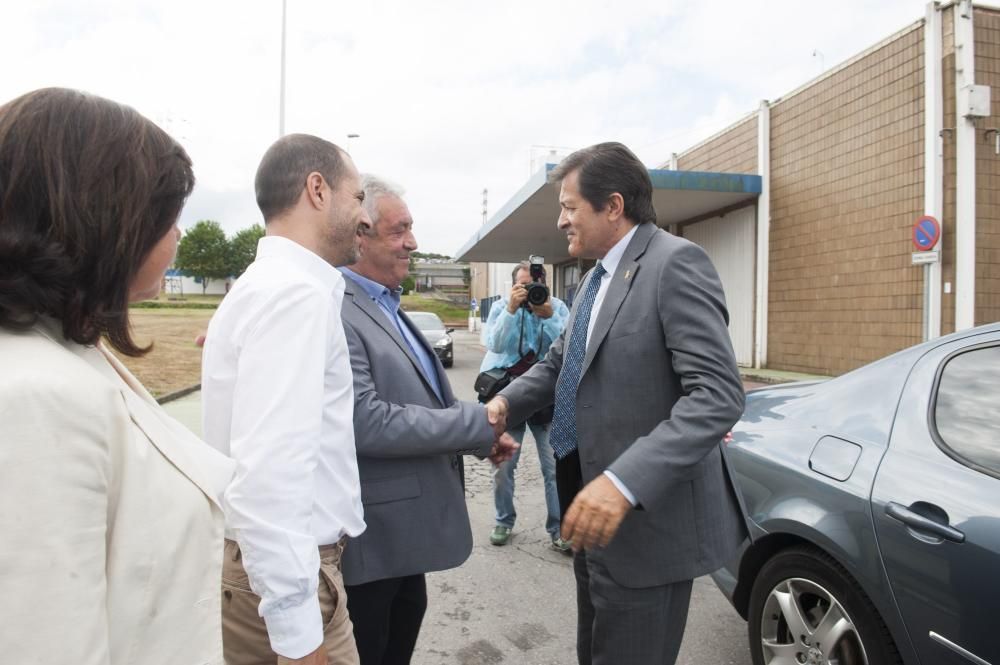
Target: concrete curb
(177, 394)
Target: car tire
(448, 363)
(803, 590)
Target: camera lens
(537, 293)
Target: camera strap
(520, 337)
(525, 361)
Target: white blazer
(111, 531)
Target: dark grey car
(439, 337)
(873, 503)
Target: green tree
(429, 255)
(243, 249)
(204, 253)
(407, 285)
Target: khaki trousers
(244, 634)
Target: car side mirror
(449, 331)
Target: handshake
(505, 446)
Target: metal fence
(484, 307)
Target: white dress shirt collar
(610, 264)
(614, 255)
(306, 259)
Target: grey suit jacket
(658, 391)
(408, 443)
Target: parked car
(873, 504)
(436, 334)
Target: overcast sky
(448, 97)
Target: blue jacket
(502, 330)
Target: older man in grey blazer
(645, 387)
(410, 435)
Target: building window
(569, 279)
(967, 409)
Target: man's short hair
(286, 165)
(375, 188)
(607, 168)
(523, 265)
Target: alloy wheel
(804, 624)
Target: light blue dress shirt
(388, 302)
(502, 330)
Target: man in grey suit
(410, 434)
(645, 387)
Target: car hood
(433, 335)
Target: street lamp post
(281, 107)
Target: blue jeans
(503, 480)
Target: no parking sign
(926, 233)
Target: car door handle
(921, 523)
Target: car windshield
(426, 320)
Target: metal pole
(933, 162)
(763, 234)
(281, 110)
(965, 171)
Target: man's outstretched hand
(503, 449)
(505, 445)
(496, 413)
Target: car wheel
(805, 609)
(449, 362)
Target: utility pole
(281, 110)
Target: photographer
(517, 335)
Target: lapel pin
(627, 273)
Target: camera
(538, 293)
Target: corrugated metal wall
(729, 242)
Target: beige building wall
(846, 187)
(732, 151)
(847, 184)
(987, 52)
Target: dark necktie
(563, 437)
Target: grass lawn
(189, 301)
(452, 315)
(175, 361)
(192, 297)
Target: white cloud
(448, 97)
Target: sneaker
(500, 535)
(562, 546)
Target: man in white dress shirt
(277, 396)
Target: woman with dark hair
(110, 527)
